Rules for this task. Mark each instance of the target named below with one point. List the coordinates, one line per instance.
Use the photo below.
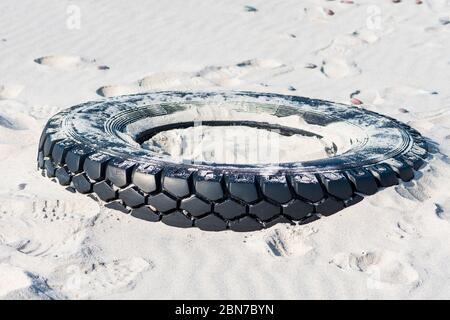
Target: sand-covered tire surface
(89, 148)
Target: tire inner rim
(350, 136)
(242, 133)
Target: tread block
(242, 186)
(49, 168)
(49, 143)
(95, 166)
(105, 191)
(131, 197)
(119, 172)
(229, 209)
(297, 209)
(117, 205)
(81, 183)
(63, 176)
(413, 160)
(147, 178)
(264, 210)
(208, 185)
(422, 144)
(277, 220)
(145, 213)
(162, 202)
(384, 175)
(329, 206)
(336, 184)
(44, 135)
(309, 219)
(353, 200)
(195, 206)
(275, 188)
(420, 152)
(210, 222)
(60, 150)
(40, 160)
(363, 181)
(245, 224)
(75, 159)
(176, 181)
(307, 186)
(402, 169)
(177, 219)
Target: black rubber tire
(79, 147)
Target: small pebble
(438, 210)
(356, 101)
(347, 1)
(21, 186)
(293, 35)
(329, 12)
(310, 66)
(103, 68)
(396, 1)
(444, 20)
(419, 2)
(354, 93)
(250, 9)
(403, 110)
(291, 88)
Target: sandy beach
(391, 58)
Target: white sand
(242, 144)
(55, 244)
(235, 145)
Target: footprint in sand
(17, 116)
(102, 278)
(13, 118)
(337, 68)
(425, 184)
(68, 62)
(381, 267)
(342, 45)
(402, 90)
(407, 228)
(250, 71)
(10, 91)
(413, 190)
(285, 241)
(337, 55)
(42, 111)
(7, 123)
(20, 279)
(155, 82)
(113, 91)
(49, 227)
(28, 286)
(255, 70)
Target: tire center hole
(225, 135)
(238, 144)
